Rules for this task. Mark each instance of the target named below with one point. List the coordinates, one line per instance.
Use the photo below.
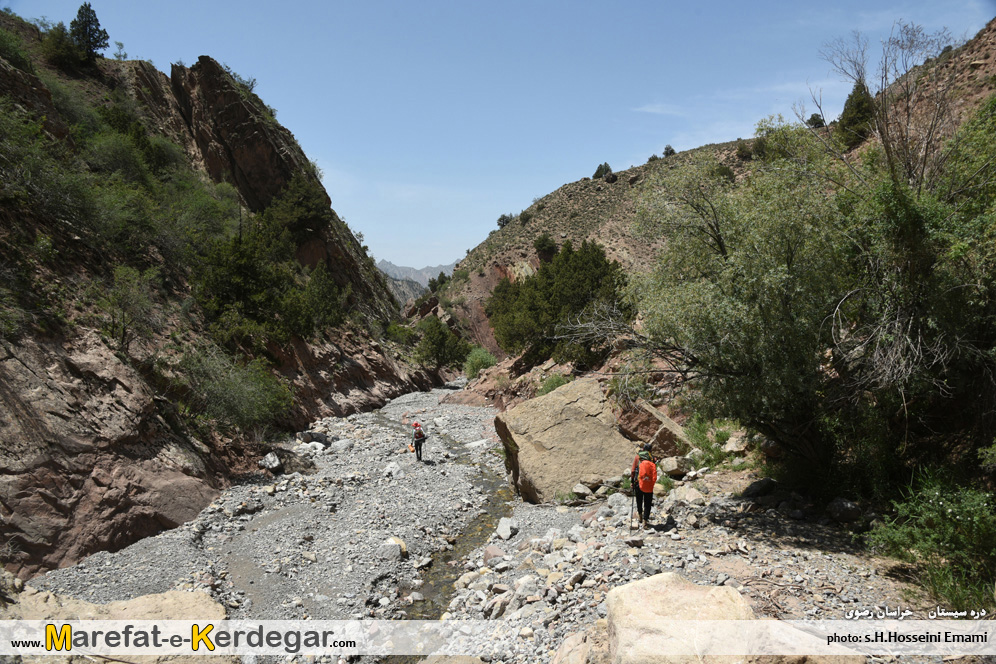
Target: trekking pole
(632, 511)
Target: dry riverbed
(371, 533)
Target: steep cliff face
(237, 138)
(230, 133)
(91, 457)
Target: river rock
(737, 444)
(552, 441)
(507, 528)
(760, 487)
(581, 491)
(271, 462)
(687, 495)
(491, 552)
(393, 548)
(674, 466)
(618, 501)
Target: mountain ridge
(418, 275)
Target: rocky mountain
(605, 209)
(420, 276)
(108, 430)
(404, 290)
(602, 210)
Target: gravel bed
(319, 545)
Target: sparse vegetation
(551, 383)
(246, 396)
(129, 305)
(545, 245)
(401, 334)
(12, 50)
(744, 150)
(477, 360)
(59, 49)
(629, 384)
(435, 283)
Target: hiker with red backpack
(643, 476)
(418, 437)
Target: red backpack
(647, 474)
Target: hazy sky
(431, 118)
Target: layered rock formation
(551, 442)
(89, 456)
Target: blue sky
(431, 118)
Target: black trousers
(418, 449)
(643, 502)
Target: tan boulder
(641, 628)
(670, 437)
(552, 441)
(643, 422)
(637, 610)
(32, 604)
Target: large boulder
(637, 611)
(551, 442)
(642, 627)
(32, 604)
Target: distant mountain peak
(417, 275)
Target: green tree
(857, 119)
(87, 34)
(526, 314)
(439, 346)
(669, 151)
(815, 121)
(740, 296)
(602, 170)
(478, 360)
(437, 282)
(129, 303)
(545, 246)
(248, 396)
(59, 48)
